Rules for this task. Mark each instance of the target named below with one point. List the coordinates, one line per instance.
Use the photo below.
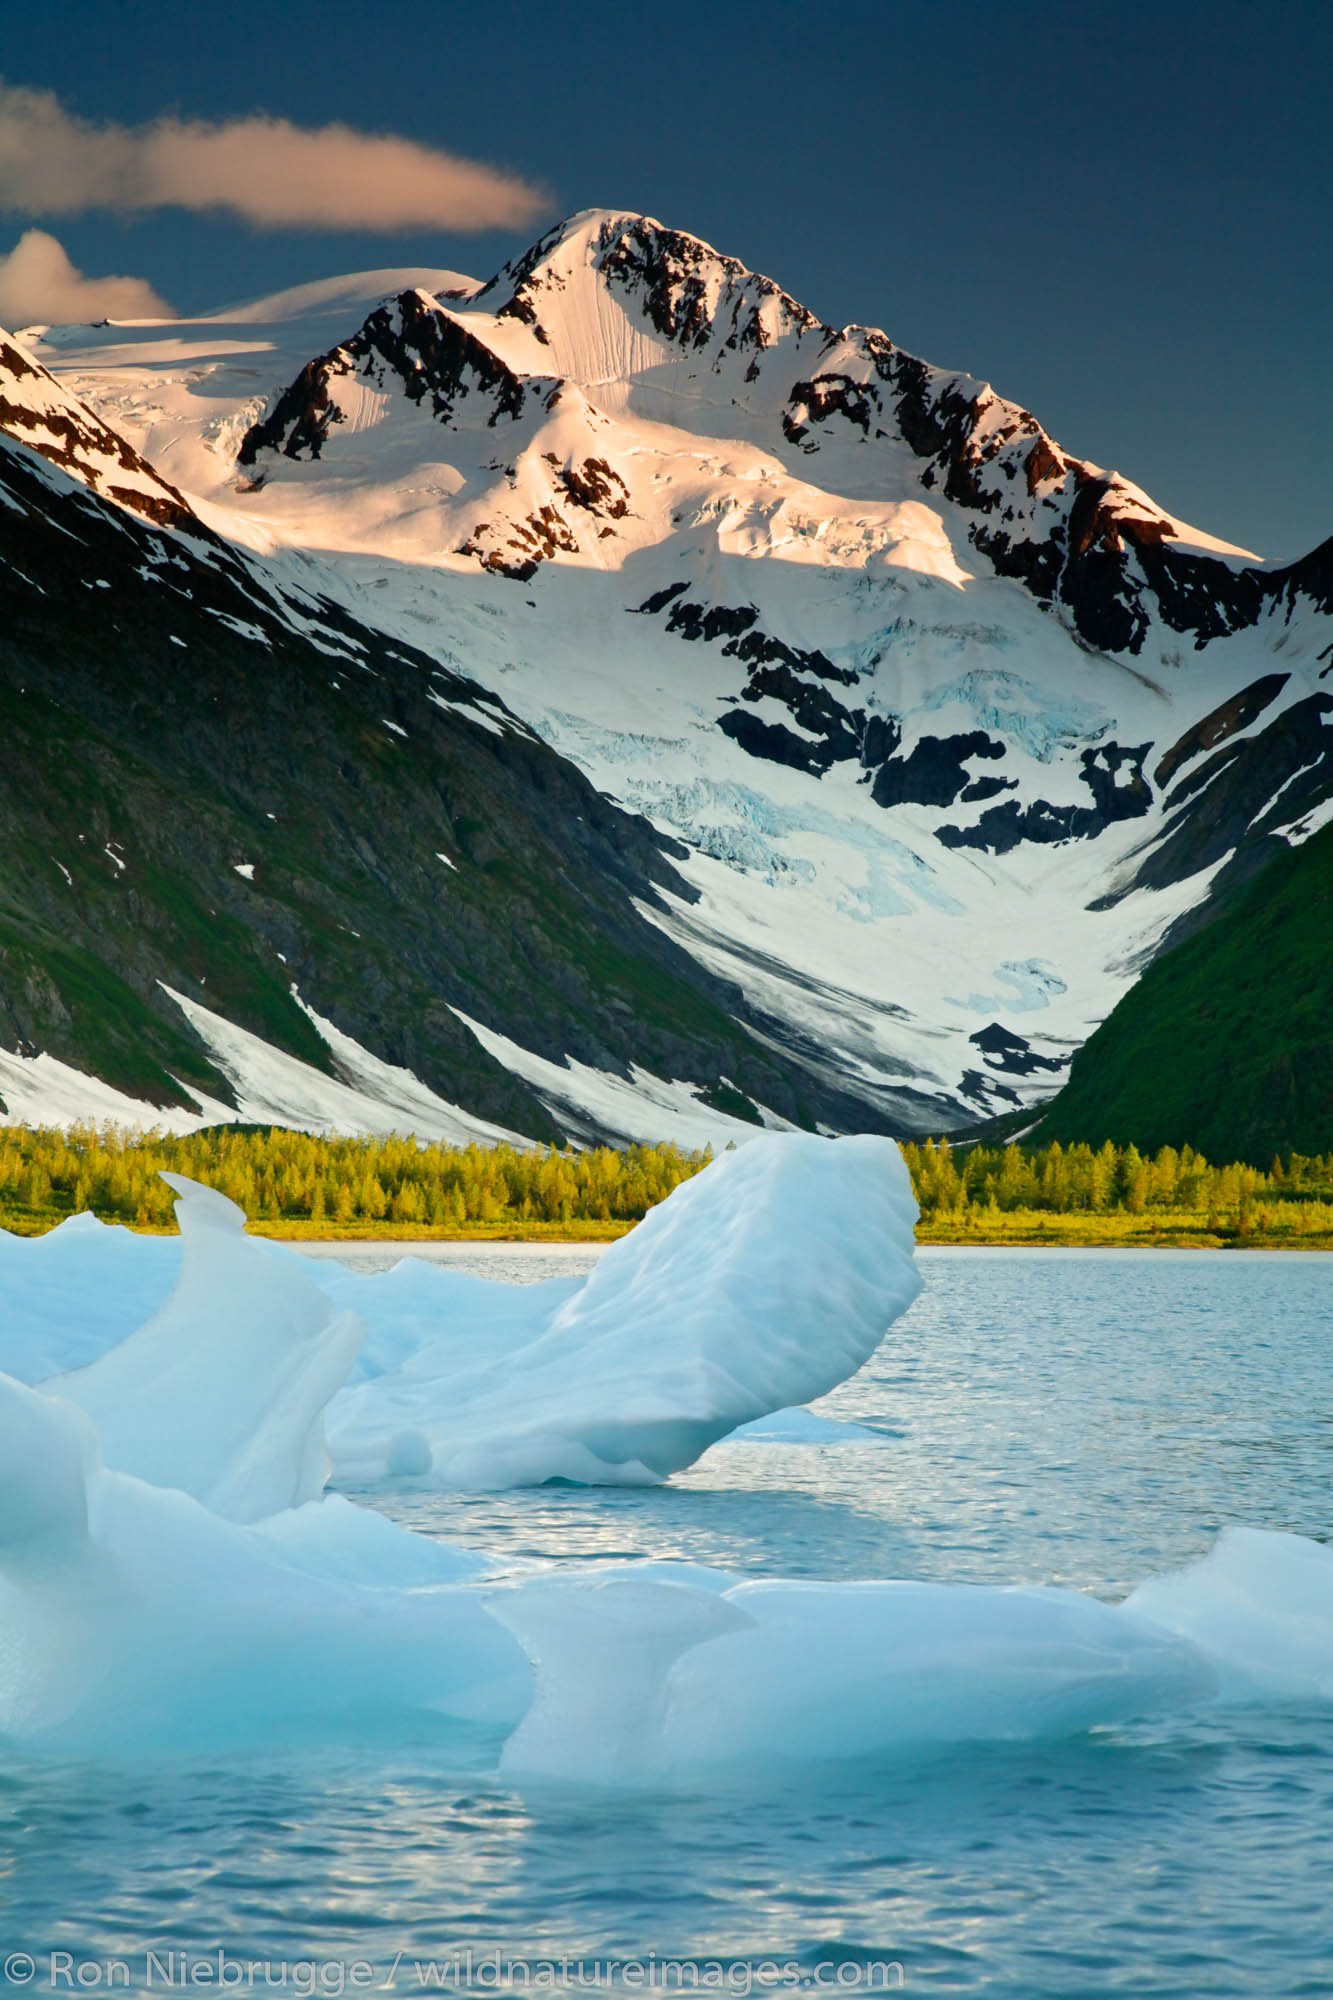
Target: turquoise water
(1055, 1416)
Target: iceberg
(222, 1393)
(1260, 1604)
(643, 1680)
(761, 1283)
(76, 1291)
(134, 1619)
(174, 1576)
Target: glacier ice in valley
(173, 1575)
(854, 630)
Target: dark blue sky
(1118, 215)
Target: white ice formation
(760, 1284)
(134, 1619)
(639, 1680)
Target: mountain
(1224, 1042)
(37, 412)
(262, 859)
(936, 732)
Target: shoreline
(1048, 1236)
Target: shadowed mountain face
(908, 736)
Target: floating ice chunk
(645, 1683)
(74, 1292)
(333, 1537)
(1260, 1604)
(829, 1671)
(222, 1393)
(602, 1649)
(426, 1321)
(134, 1619)
(763, 1282)
(47, 1452)
(80, 1289)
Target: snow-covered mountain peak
(672, 287)
(38, 411)
(684, 362)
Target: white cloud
(269, 171)
(38, 283)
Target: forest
(296, 1184)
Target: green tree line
(1107, 1180)
(340, 1185)
(296, 1183)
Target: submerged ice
(173, 1573)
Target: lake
(1076, 1417)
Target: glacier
(175, 1577)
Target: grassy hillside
(1226, 1043)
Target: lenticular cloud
(267, 170)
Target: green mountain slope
(1227, 1040)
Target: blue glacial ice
(221, 1394)
(134, 1619)
(762, 1283)
(174, 1575)
(641, 1678)
(759, 1285)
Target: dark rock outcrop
(1112, 773)
(436, 359)
(1005, 1050)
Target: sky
(1120, 216)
